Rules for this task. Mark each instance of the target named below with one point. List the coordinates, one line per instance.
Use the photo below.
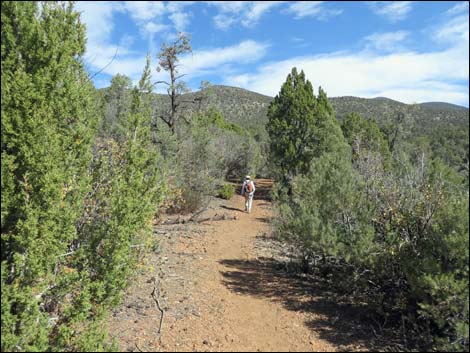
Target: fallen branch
(154, 296)
(217, 217)
(136, 346)
(193, 217)
(137, 246)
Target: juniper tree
(291, 126)
(301, 127)
(70, 213)
(368, 143)
(117, 107)
(48, 121)
(127, 189)
(403, 229)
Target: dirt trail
(222, 290)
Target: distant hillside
(249, 109)
(442, 106)
(381, 108)
(246, 107)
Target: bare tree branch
(157, 82)
(178, 77)
(114, 57)
(154, 296)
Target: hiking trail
(222, 288)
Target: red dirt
(222, 291)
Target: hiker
(248, 189)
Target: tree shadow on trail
(263, 219)
(344, 325)
(232, 208)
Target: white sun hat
(247, 177)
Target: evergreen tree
(118, 100)
(291, 126)
(402, 227)
(328, 135)
(75, 211)
(301, 127)
(48, 121)
(127, 189)
(365, 137)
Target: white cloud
(229, 6)
(216, 59)
(461, 7)
(102, 54)
(223, 21)
(403, 75)
(392, 10)
(303, 9)
(151, 27)
(180, 20)
(430, 92)
(150, 16)
(178, 16)
(454, 31)
(113, 57)
(389, 41)
(406, 77)
(143, 11)
(98, 18)
(247, 13)
(257, 9)
(178, 6)
(131, 67)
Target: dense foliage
(74, 203)
(379, 207)
(227, 191)
(301, 127)
(386, 227)
(210, 150)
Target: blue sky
(409, 51)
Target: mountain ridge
(429, 104)
(248, 108)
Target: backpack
(249, 187)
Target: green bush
(202, 155)
(47, 127)
(405, 231)
(73, 206)
(388, 228)
(226, 191)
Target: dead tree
(168, 61)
